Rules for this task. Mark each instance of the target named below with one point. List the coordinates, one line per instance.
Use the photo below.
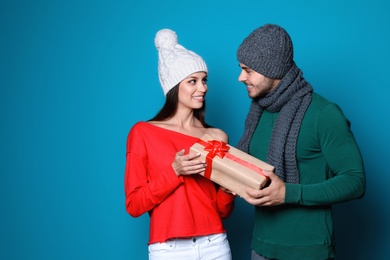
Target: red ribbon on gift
(221, 149)
(214, 147)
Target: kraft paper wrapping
(230, 167)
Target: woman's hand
(187, 164)
(227, 191)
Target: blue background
(76, 75)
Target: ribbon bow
(215, 148)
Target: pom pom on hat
(175, 62)
(165, 38)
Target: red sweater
(183, 206)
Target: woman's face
(192, 90)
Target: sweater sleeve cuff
(171, 179)
(227, 197)
(293, 193)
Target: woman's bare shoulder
(218, 134)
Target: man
(309, 142)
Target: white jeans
(194, 248)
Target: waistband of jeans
(196, 239)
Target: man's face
(257, 85)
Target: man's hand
(272, 195)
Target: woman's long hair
(170, 107)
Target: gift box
(230, 167)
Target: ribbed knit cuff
(293, 193)
(179, 71)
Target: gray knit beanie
(267, 50)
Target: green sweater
(331, 171)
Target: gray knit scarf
(291, 99)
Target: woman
(163, 179)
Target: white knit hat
(175, 63)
